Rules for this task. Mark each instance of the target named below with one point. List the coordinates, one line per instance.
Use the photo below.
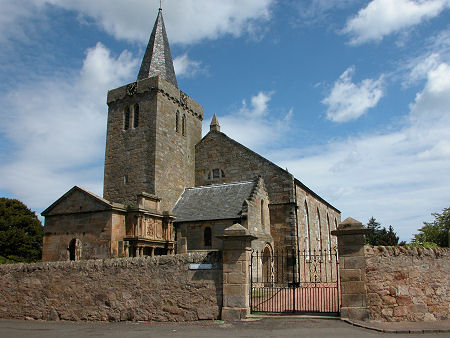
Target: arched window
(329, 238)
(177, 121)
(216, 173)
(136, 116)
(183, 125)
(262, 213)
(319, 231)
(307, 240)
(207, 237)
(267, 265)
(126, 118)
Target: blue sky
(351, 96)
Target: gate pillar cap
(350, 223)
(350, 226)
(236, 230)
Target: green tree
(374, 227)
(21, 232)
(380, 236)
(435, 232)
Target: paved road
(266, 327)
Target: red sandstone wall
(161, 288)
(408, 284)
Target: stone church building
(167, 189)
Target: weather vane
(160, 5)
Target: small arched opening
(75, 249)
(136, 116)
(267, 265)
(262, 214)
(207, 237)
(126, 118)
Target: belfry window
(207, 237)
(177, 121)
(136, 116)
(183, 125)
(126, 118)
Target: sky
(351, 96)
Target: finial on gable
(214, 124)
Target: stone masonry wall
(92, 229)
(316, 220)
(408, 284)
(161, 288)
(238, 163)
(154, 157)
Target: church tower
(152, 131)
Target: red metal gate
(303, 283)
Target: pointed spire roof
(157, 59)
(214, 124)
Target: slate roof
(212, 202)
(157, 58)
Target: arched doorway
(267, 265)
(75, 249)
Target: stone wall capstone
(160, 288)
(407, 283)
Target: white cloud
(259, 105)
(384, 17)
(348, 101)
(314, 11)
(57, 129)
(186, 67)
(251, 125)
(389, 174)
(14, 19)
(187, 21)
(434, 52)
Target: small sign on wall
(200, 266)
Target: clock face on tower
(132, 88)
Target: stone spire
(157, 59)
(214, 124)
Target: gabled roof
(157, 58)
(78, 199)
(267, 162)
(213, 202)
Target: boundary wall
(391, 284)
(407, 283)
(160, 288)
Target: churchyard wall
(407, 283)
(160, 288)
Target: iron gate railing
(286, 282)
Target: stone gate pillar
(236, 279)
(352, 269)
